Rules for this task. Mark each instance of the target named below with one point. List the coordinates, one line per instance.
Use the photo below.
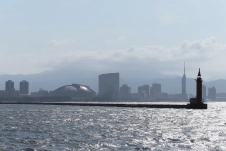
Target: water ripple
(43, 128)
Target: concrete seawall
(103, 104)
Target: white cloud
(62, 42)
(207, 54)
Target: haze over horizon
(113, 36)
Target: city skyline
(50, 84)
(109, 86)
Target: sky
(37, 36)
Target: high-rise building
(125, 91)
(212, 93)
(184, 84)
(109, 85)
(203, 92)
(143, 91)
(156, 88)
(24, 87)
(155, 91)
(9, 85)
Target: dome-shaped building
(74, 91)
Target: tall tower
(199, 88)
(184, 84)
(24, 87)
(197, 102)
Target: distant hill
(51, 80)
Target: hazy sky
(42, 35)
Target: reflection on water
(38, 127)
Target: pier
(112, 104)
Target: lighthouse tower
(199, 88)
(197, 103)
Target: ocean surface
(67, 128)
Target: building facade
(143, 91)
(9, 94)
(9, 85)
(156, 88)
(109, 85)
(40, 93)
(155, 91)
(24, 87)
(203, 92)
(212, 93)
(125, 92)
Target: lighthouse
(199, 88)
(197, 102)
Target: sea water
(66, 128)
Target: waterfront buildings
(9, 91)
(109, 85)
(9, 94)
(155, 89)
(143, 91)
(135, 96)
(204, 92)
(9, 85)
(124, 92)
(212, 93)
(24, 87)
(40, 93)
(221, 96)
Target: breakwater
(103, 104)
